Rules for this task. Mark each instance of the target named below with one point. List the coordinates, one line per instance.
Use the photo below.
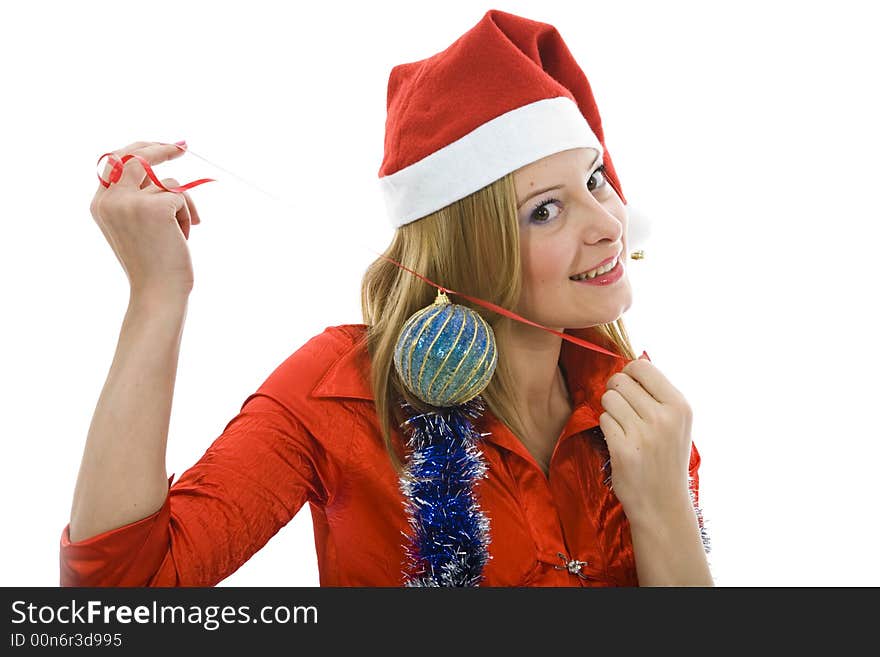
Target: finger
(652, 380)
(184, 218)
(632, 391)
(613, 433)
(149, 186)
(619, 408)
(196, 219)
(109, 162)
(154, 153)
(609, 424)
(172, 182)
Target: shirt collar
(586, 373)
(349, 375)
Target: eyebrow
(596, 162)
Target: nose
(596, 222)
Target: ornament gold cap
(637, 255)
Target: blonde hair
(471, 246)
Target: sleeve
(251, 481)
(694, 490)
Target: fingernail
(182, 142)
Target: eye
(540, 214)
(600, 170)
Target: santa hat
(506, 93)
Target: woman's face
(569, 230)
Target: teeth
(596, 272)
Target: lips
(597, 265)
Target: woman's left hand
(647, 426)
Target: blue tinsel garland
(450, 534)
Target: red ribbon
(507, 313)
(118, 165)
(116, 174)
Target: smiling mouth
(596, 272)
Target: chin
(594, 320)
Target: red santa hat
(506, 93)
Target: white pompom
(638, 229)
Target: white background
(748, 132)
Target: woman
(498, 182)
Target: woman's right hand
(147, 227)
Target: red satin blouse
(310, 433)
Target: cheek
(544, 262)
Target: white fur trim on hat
(487, 153)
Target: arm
(647, 425)
(670, 548)
(122, 475)
(249, 483)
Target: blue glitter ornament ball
(445, 354)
